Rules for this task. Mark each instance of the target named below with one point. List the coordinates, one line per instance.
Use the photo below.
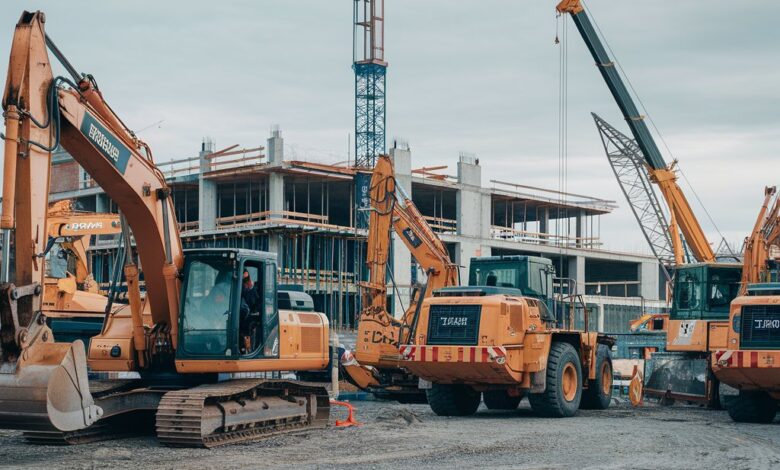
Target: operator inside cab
(249, 321)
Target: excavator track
(241, 410)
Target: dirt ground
(411, 436)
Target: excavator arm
(664, 176)
(766, 232)
(71, 112)
(41, 113)
(391, 209)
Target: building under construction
(305, 212)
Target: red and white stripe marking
(477, 354)
(730, 358)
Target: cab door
(258, 330)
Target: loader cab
(704, 291)
(228, 306)
(531, 275)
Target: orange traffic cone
(350, 421)
(636, 388)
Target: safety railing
(512, 234)
(441, 225)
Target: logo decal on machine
(108, 145)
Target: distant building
(305, 212)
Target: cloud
(481, 76)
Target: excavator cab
(229, 308)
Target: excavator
(702, 290)
(203, 324)
(748, 363)
(375, 364)
(73, 305)
(69, 240)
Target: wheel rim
(606, 378)
(569, 382)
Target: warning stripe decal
(746, 359)
(476, 354)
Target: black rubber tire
(594, 397)
(453, 400)
(752, 407)
(500, 400)
(551, 403)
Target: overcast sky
(477, 76)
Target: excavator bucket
(47, 389)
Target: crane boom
(661, 173)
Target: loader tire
(752, 407)
(500, 400)
(599, 393)
(453, 400)
(563, 392)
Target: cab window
(207, 304)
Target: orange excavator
(203, 324)
(72, 288)
(375, 364)
(73, 306)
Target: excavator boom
(379, 333)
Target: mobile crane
(702, 290)
(748, 363)
(200, 328)
(375, 365)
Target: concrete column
(402, 259)
(275, 246)
(544, 224)
(577, 272)
(402, 163)
(469, 202)
(579, 227)
(474, 209)
(275, 146)
(648, 278)
(485, 218)
(207, 193)
(276, 180)
(275, 149)
(101, 203)
(601, 315)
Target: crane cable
(652, 123)
(563, 137)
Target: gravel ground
(411, 436)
